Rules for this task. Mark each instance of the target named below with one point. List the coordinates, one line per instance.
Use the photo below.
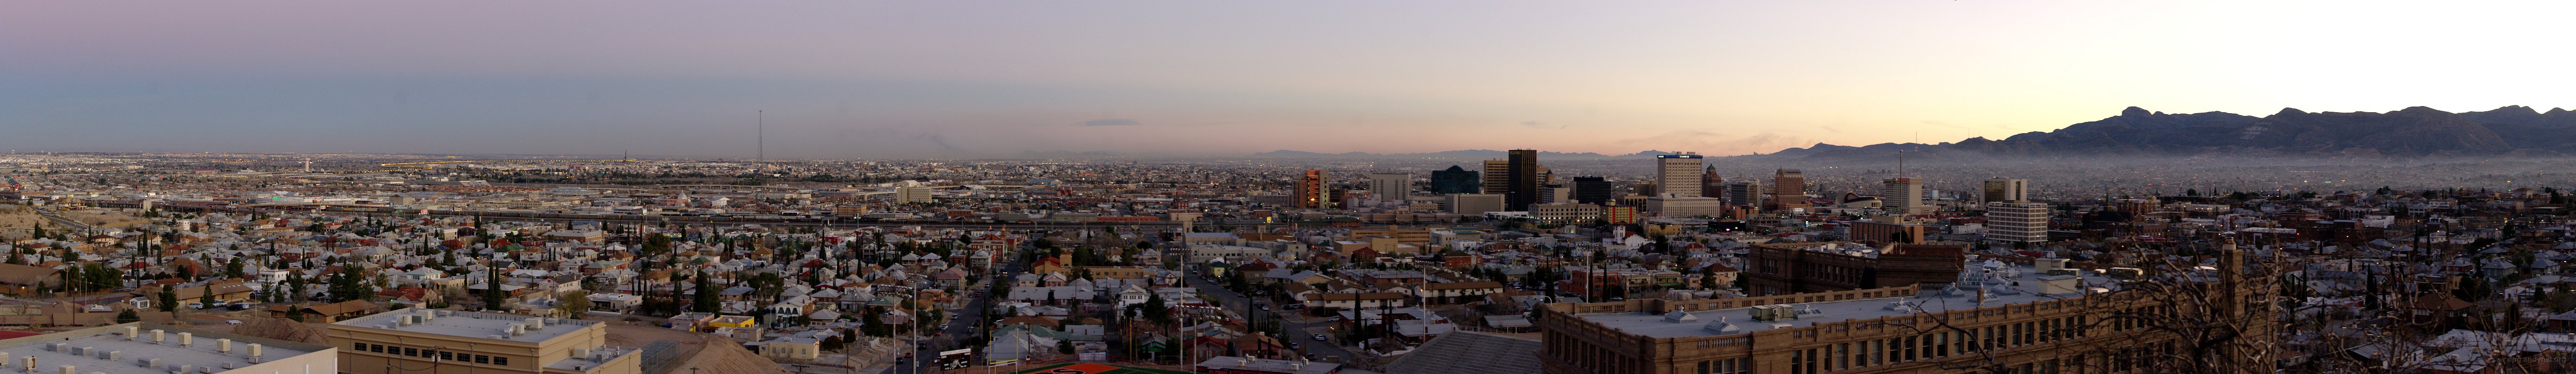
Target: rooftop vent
(147, 362)
(1722, 327)
(1679, 317)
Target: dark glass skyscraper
(1457, 180)
(1591, 190)
(1524, 177)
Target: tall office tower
(1678, 174)
(2007, 190)
(1710, 185)
(1745, 193)
(1903, 196)
(1498, 177)
(1788, 189)
(1313, 192)
(1523, 173)
(2010, 222)
(1456, 180)
(1591, 190)
(1390, 186)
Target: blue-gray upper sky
(854, 79)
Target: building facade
(1313, 191)
(1678, 174)
(2054, 321)
(1456, 180)
(1788, 189)
(1468, 204)
(416, 341)
(1390, 187)
(2016, 222)
(1524, 180)
(1710, 185)
(2006, 190)
(1903, 196)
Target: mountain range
(2410, 132)
(1464, 153)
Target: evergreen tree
(169, 301)
(705, 301)
(492, 294)
(128, 316)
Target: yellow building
(424, 341)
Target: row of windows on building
(1898, 350)
(429, 353)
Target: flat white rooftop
(107, 349)
(469, 324)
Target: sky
(848, 79)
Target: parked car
(232, 322)
(1319, 337)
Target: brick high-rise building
(1710, 185)
(1788, 189)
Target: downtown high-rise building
(1313, 191)
(1591, 190)
(2011, 218)
(1710, 185)
(1497, 177)
(1678, 174)
(1788, 189)
(1902, 196)
(1524, 178)
(1745, 193)
(1390, 187)
(2006, 190)
(1456, 180)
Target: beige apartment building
(2023, 316)
(424, 341)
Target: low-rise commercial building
(413, 341)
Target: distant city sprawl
(1662, 263)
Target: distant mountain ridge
(2411, 132)
(1464, 153)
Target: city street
(958, 328)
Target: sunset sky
(841, 79)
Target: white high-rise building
(1390, 187)
(1903, 196)
(1678, 174)
(2008, 222)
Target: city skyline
(967, 80)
